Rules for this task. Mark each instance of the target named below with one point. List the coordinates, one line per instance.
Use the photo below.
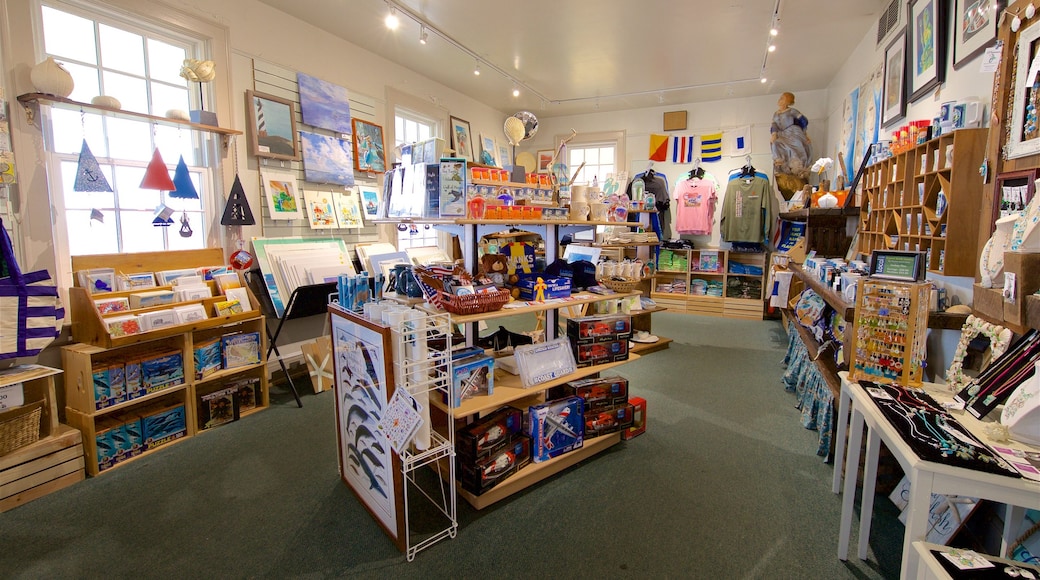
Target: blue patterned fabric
(812, 396)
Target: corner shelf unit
(928, 199)
(741, 296)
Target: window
(139, 65)
(600, 152)
(410, 127)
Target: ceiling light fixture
(391, 20)
(774, 29)
(476, 69)
(423, 35)
(516, 91)
(772, 48)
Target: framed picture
(368, 147)
(1024, 138)
(327, 159)
(505, 159)
(348, 212)
(461, 139)
(272, 124)
(283, 195)
(488, 150)
(369, 200)
(974, 28)
(926, 45)
(544, 159)
(323, 104)
(893, 101)
(364, 383)
(320, 210)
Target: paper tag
(991, 59)
(401, 420)
(967, 559)
(12, 396)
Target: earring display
(891, 326)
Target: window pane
(576, 157)
(86, 82)
(188, 205)
(129, 139)
(592, 156)
(121, 50)
(131, 196)
(68, 132)
(68, 36)
(606, 155)
(87, 236)
(164, 62)
(165, 97)
(398, 131)
(139, 235)
(424, 132)
(131, 91)
(83, 199)
(172, 143)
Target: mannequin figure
(788, 139)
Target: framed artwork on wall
(926, 45)
(1024, 137)
(323, 104)
(461, 139)
(327, 159)
(893, 102)
(368, 146)
(974, 28)
(488, 150)
(283, 195)
(272, 125)
(544, 159)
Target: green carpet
(724, 484)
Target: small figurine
(539, 290)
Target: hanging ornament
(184, 188)
(95, 214)
(1016, 23)
(237, 211)
(1030, 10)
(163, 216)
(157, 176)
(241, 260)
(185, 231)
(402, 227)
(88, 173)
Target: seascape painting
(327, 159)
(323, 104)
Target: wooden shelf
(645, 348)
(618, 245)
(835, 300)
(509, 388)
(806, 213)
(535, 472)
(825, 364)
(28, 99)
(226, 373)
(576, 300)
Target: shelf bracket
(32, 109)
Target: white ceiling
(583, 56)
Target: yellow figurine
(539, 290)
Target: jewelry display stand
(891, 327)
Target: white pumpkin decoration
(50, 78)
(178, 114)
(107, 102)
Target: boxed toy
(162, 370)
(598, 393)
(488, 472)
(600, 353)
(107, 450)
(241, 349)
(556, 427)
(590, 329)
(109, 384)
(132, 442)
(638, 426)
(606, 421)
(247, 393)
(217, 408)
(554, 287)
(470, 377)
(208, 358)
(477, 439)
(162, 424)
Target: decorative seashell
(1030, 10)
(199, 71)
(178, 114)
(107, 102)
(1016, 23)
(49, 77)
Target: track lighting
(764, 79)
(516, 91)
(772, 48)
(476, 69)
(391, 21)
(423, 35)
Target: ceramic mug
(579, 211)
(598, 212)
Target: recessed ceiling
(582, 57)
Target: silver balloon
(530, 123)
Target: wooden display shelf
(620, 245)
(824, 364)
(29, 98)
(835, 300)
(645, 348)
(224, 374)
(535, 472)
(37, 385)
(577, 300)
(85, 424)
(33, 471)
(509, 388)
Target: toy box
(217, 408)
(247, 393)
(605, 421)
(600, 353)
(591, 329)
(556, 427)
(471, 377)
(488, 472)
(208, 359)
(132, 443)
(241, 349)
(109, 384)
(162, 370)
(478, 439)
(638, 426)
(598, 393)
(107, 451)
(162, 424)
(554, 287)
(132, 378)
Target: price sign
(12, 396)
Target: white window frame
(598, 139)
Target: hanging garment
(747, 210)
(657, 184)
(695, 206)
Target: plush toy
(493, 267)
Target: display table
(926, 477)
(933, 566)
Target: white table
(926, 477)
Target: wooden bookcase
(96, 347)
(928, 199)
(733, 303)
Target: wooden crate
(41, 468)
(743, 308)
(705, 305)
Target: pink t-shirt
(695, 213)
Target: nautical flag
(738, 141)
(711, 147)
(156, 176)
(182, 180)
(682, 149)
(658, 147)
(88, 173)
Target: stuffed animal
(493, 267)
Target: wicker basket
(474, 303)
(20, 426)
(620, 286)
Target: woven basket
(20, 427)
(474, 303)
(620, 286)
